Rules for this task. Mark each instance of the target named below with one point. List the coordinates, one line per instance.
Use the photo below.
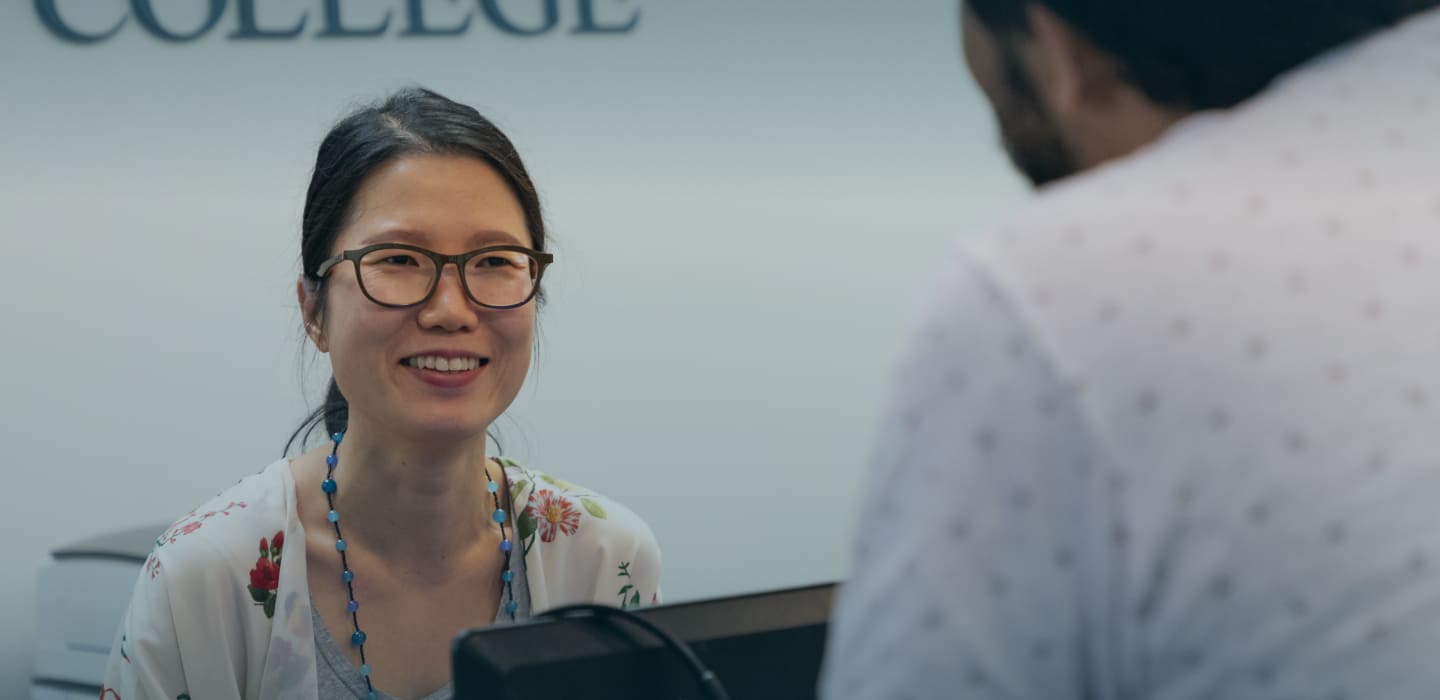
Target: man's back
(1173, 433)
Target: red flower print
(190, 523)
(265, 576)
(554, 513)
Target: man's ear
(307, 293)
(1071, 72)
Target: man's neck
(1135, 122)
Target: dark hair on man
(411, 121)
(1204, 54)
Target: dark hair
(1204, 54)
(411, 121)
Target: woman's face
(451, 205)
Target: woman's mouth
(436, 363)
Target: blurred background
(748, 199)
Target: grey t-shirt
(338, 680)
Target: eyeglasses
(398, 275)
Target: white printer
(82, 594)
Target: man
(1174, 432)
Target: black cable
(708, 681)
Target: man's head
(1075, 83)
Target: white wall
(793, 169)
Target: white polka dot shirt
(1174, 433)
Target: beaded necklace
(358, 637)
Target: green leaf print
(258, 594)
(561, 484)
(627, 588)
(593, 508)
(516, 488)
(526, 524)
(270, 605)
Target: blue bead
(499, 515)
(339, 545)
(508, 576)
(331, 460)
(371, 696)
(337, 437)
(333, 517)
(352, 606)
(505, 546)
(511, 606)
(364, 669)
(492, 487)
(328, 486)
(358, 639)
(347, 576)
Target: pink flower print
(554, 513)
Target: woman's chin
(442, 428)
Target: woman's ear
(307, 292)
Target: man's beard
(1027, 130)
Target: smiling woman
(423, 248)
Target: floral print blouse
(222, 606)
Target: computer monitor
(761, 645)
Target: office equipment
(81, 594)
(761, 645)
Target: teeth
(445, 364)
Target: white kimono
(211, 620)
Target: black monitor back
(762, 645)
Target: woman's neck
(421, 505)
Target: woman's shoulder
(228, 526)
(554, 510)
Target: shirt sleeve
(631, 574)
(977, 510)
(645, 570)
(145, 659)
(178, 637)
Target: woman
(422, 251)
